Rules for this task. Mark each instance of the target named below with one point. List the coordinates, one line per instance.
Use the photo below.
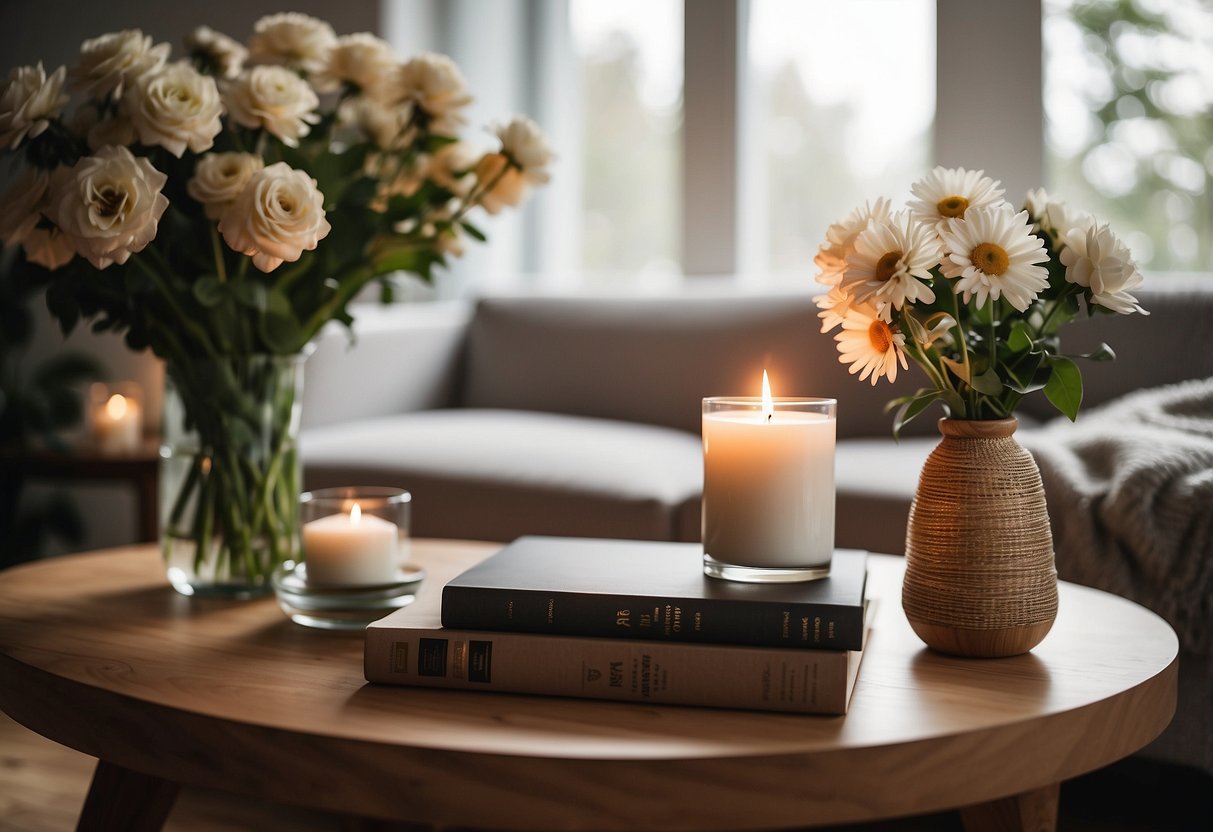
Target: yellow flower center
(886, 266)
(991, 259)
(880, 335)
(952, 206)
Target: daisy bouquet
(222, 208)
(973, 291)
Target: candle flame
(768, 406)
(115, 406)
(355, 515)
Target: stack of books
(630, 620)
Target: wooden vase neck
(978, 428)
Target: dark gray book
(652, 590)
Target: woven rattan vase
(980, 579)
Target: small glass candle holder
(115, 417)
(354, 536)
(355, 549)
(768, 488)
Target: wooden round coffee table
(98, 653)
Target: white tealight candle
(768, 485)
(117, 425)
(353, 549)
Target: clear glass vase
(230, 472)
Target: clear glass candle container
(115, 417)
(768, 488)
(354, 536)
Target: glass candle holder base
(762, 574)
(342, 607)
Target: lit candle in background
(116, 421)
(768, 482)
(351, 549)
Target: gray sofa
(580, 415)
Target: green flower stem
(217, 251)
(351, 285)
(198, 333)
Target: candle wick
(769, 416)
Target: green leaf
(475, 232)
(1102, 353)
(1064, 388)
(250, 293)
(208, 291)
(1019, 340)
(1022, 373)
(911, 408)
(959, 370)
(988, 383)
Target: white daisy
(840, 237)
(1054, 217)
(833, 305)
(947, 193)
(994, 254)
(873, 347)
(890, 260)
(1096, 258)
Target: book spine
(793, 681)
(705, 621)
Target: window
(1129, 115)
(629, 65)
(828, 128)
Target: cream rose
(175, 108)
(293, 40)
(506, 177)
(108, 205)
(433, 83)
(278, 216)
(48, 247)
(109, 62)
(275, 98)
(220, 177)
(525, 145)
(362, 60)
(216, 52)
(28, 101)
(386, 126)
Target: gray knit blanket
(1130, 493)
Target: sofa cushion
(498, 474)
(654, 359)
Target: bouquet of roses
(222, 208)
(972, 291)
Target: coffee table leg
(123, 799)
(1035, 811)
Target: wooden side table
(84, 463)
(98, 653)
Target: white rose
(21, 205)
(278, 216)
(217, 52)
(108, 205)
(447, 165)
(432, 82)
(220, 177)
(175, 108)
(1096, 258)
(109, 62)
(362, 60)
(525, 145)
(506, 177)
(28, 101)
(293, 40)
(385, 126)
(275, 98)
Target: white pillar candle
(353, 549)
(768, 485)
(117, 425)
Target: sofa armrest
(401, 358)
